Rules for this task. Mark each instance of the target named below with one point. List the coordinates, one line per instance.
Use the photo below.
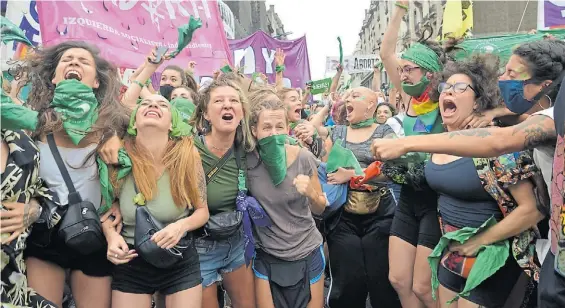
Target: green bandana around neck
(417, 89)
(185, 107)
(185, 34)
(424, 57)
(363, 124)
(340, 157)
(77, 105)
(179, 127)
(273, 155)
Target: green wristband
(148, 82)
(141, 85)
(402, 6)
(280, 68)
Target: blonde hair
(264, 99)
(282, 93)
(243, 134)
(180, 158)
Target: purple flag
(256, 53)
(554, 14)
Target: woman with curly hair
(76, 94)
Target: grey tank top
(362, 150)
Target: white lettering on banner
(269, 58)
(152, 9)
(248, 56)
(171, 9)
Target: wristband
(280, 68)
(141, 85)
(148, 82)
(402, 6)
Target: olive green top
(222, 190)
(162, 207)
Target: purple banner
(554, 14)
(256, 54)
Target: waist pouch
(289, 281)
(223, 225)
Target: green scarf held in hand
(340, 157)
(124, 168)
(185, 107)
(179, 127)
(340, 50)
(9, 32)
(273, 155)
(363, 124)
(77, 105)
(185, 34)
(14, 116)
(424, 57)
(489, 259)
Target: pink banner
(127, 30)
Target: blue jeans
(219, 257)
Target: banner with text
(352, 64)
(127, 30)
(321, 86)
(256, 54)
(551, 14)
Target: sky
(322, 21)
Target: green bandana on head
(417, 89)
(179, 127)
(273, 155)
(424, 57)
(185, 107)
(77, 105)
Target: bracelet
(141, 85)
(402, 6)
(280, 68)
(148, 82)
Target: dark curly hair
(41, 66)
(482, 69)
(444, 51)
(545, 60)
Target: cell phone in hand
(161, 51)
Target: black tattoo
(202, 188)
(479, 132)
(536, 133)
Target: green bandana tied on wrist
(424, 57)
(340, 157)
(362, 124)
(179, 127)
(185, 34)
(77, 105)
(273, 155)
(125, 165)
(489, 259)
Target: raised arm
(137, 85)
(388, 46)
(335, 79)
(279, 62)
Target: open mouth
(152, 114)
(72, 74)
(227, 117)
(298, 111)
(449, 107)
(349, 109)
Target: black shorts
(57, 252)
(551, 288)
(416, 217)
(140, 277)
(493, 292)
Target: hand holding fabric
(169, 236)
(109, 150)
(468, 249)
(185, 34)
(341, 176)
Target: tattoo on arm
(479, 133)
(202, 187)
(537, 131)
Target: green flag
(321, 86)
(185, 34)
(10, 32)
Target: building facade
(502, 17)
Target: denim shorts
(220, 257)
(316, 266)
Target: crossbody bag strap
(242, 171)
(217, 166)
(74, 196)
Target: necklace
(215, 147)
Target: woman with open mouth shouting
(76, 94)
(222, 115)
(358, 245)
(415, 230)
(289, 260)
(492, 195)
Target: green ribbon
(424, 57)
(362, 124)
(9, 32)
(489, 259)
(185, 107)
(179, 127)
(77, 105)
(124, 168)
(273, 155)
(340, 51)
(185, 34)
(340, 157)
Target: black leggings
(358, 249)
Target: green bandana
(77, 105)
(417, 89)
(423, 56)
(340, 51)
(10, 32)
(125, 166)
(341, 157)
(273, 155)
(179, 127)
(14, 116)
(185, 34)
(363, 124)
(185, 107)
(226, 69)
